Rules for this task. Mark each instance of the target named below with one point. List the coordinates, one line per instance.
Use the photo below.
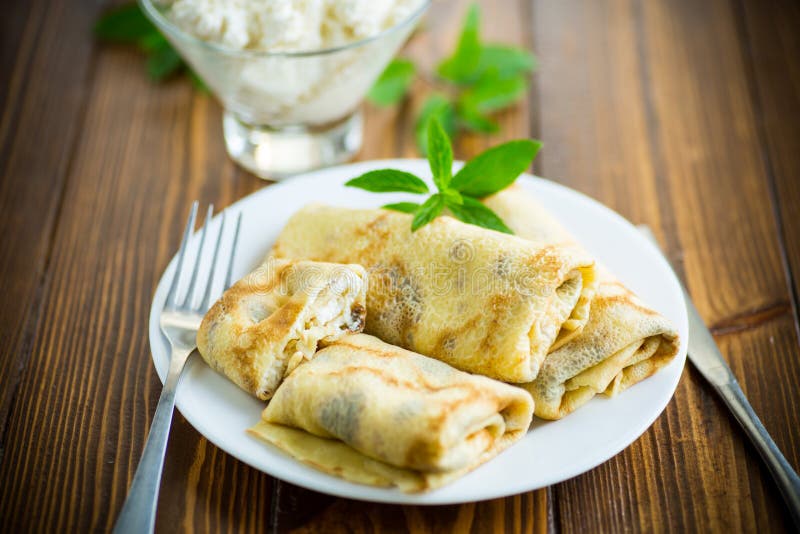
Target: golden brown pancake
(482, 301)
(374, 413)
(623, 342)
(274, 318)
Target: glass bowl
(289, 112)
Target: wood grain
(38, 127)
(681, 115)
(646, 107)
(771, 44)
(89, 389)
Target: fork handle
(139, 511)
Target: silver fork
(179, 323)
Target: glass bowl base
(277, 153)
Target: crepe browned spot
(622, 343)
(274, 318)
(374, 413)
(482, 301)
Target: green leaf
(126, 24)
(462, 66)
(389, 180)
(451, 196)
(437, 106)
(496, 168)
(473, 212)
(507, 61)
(492, 93)
(428, 212)
(440, 154)
(474, 121)
(405, 207)
(152, 42)
(163, 62)
(393, 84)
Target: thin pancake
(374, 413)
(273, 319)
(482, 301)
(623, 342)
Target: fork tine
(187, 300)
(173, 287)
(207, 295)
(229, 274)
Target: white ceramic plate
(550, 453)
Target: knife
(705, 356)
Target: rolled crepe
(623, 342)
(482, 301)
(374, 413)
(273, 319)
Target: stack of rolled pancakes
(468, 333)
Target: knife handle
(786, 478)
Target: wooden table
(680, 114)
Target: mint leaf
(388, 180)
(507, 61)
(152, 42)
(163, 62)
(474, 121)
(440, 154)
(393, 84)
(428, 212)
(473, 212)
(436, 106)
(126, 24)
(461, 67)
(496, 168)
(492, 93)
(405, 207)
(451, 196)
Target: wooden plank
(645, 107)
(21, 23)
(393, 136)
(679, 109)
(772, 46)
(525, 513)
(694, 469)
(38, 125)
(85, 401)
(592, 115)
(203, 489)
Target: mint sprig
(128, 25)
(487, 78)
(477, 80)
(459, 193)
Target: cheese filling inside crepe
(623, 342)
(482, 301)
(374, 413)
(273, 319)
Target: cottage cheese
(287, 25)
(278, 90)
